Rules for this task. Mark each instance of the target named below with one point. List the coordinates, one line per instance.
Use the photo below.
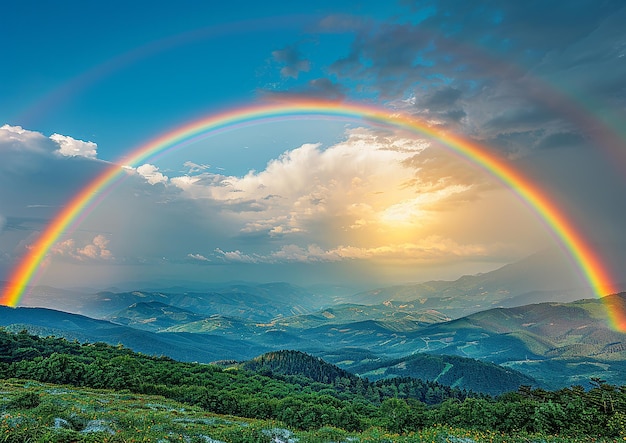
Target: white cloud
(185, 182)
(192, 167)
(198, 257)
(238, 256)
(71, 147)
(370, 181)
(25, 151)
(151, 174)
(97, 250)
(431, 249)
(16, 138)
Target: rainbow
(583, 255)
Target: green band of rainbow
(584, 256)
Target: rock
(60, 423)
(97, 426)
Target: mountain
(458, 372)
(536, 278)
(404, 316)
(254, 302)
(153, 316)
(559, 344)
(261, 302)
(203, 348)
(298, 363)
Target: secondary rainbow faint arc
(584, 256)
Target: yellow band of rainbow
(583, 255)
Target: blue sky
(544, 86)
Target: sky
(319, 199)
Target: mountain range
(465, 333)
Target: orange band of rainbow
(584, 257)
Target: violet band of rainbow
(585, 258)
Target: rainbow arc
(583, 255)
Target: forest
(304, 393)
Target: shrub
(27, 400)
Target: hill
(255, 302)
(141, 407)
(184, 347)
(464, 373)
(153, 316)
(557, 343)
(458, 372)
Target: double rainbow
(583, 255)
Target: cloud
(151, 174)
(97, 250)
(442, 98)
(372, 196)
(238, 257)
(194, 167)
(16, 138)
(561, 140)
(25, 151)
(70, 147)
(432, 249)
(292, 61)
(311, 189)
(198, 257)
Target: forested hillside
(398, 406)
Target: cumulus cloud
(367, 176)
(376, 195)
(239, 257)
(24, 150)
(71, 147)
(16, 138)
(152, 174)
(96, 250)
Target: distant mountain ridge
(484, 316)
(183, 347)
(261, 302)
(558, 344)
(533, 279)
(540, 277)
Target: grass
(38, 412)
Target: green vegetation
(159, 399)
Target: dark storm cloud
(502, 71)
(455, 115)
(442, 98)
(561, 140)
(390, 56)
(520, 119)
(530, 25)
